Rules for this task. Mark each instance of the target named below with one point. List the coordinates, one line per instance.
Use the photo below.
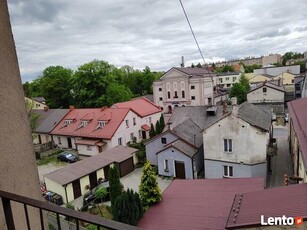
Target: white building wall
(55, 187)
(248, 143)
(88, 150)
(271, 95)
(274, 71)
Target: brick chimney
(71, 107)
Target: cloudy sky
(152, 33)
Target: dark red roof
(141, 106)
(145, 127)
(197, 204)
(298, 115)
(290, 201)
(116, 115)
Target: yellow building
(260, 78)
(286, 78)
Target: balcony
(44, 207)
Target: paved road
(282, 163)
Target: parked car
(286, 117)
(273, 116)
(67, 157)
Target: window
(163, 140)
(228, 85)
(182, 94)
(192, 86)
(127, 123)
(221, 80)
(131, 136)
(228, 145)
(134, 121)
(84, 123)
(264, 89)
(168, 94)
(228, 171)
(234, 78)
(59, 140)
(176, 95)
(150, 120)
(227, 78)
(165, 165)
(160, 89)
(193, 98)
(292, 81)
(67, 122)
(88, 147)
(101, 124)
(120, 142)
(140, 133)
(160, 99)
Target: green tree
(199, 65)
(250, 68)
(114, 183)
(150, 192)
(117, 93)
(302, 64)
(141, 153)
(101, 193)
(90, 83)
(27, 89)
(55, 86)
(158, 127)
(162, 122)
(245, 82)
(239, 91)
(152, 131)
(128, 208)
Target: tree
(250, 68)
(302, 64)
(199, 65)
(55, 86)
(101, 193)
(239, 91)
(117, 93)
(115, 185)
(90, 83)
(152, 131)
(158, 127)
(128, 208)
(150, 192)
(162, 122)
(245, 82)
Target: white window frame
(89, 148)
(228, 145)
(227, 171)
(140, 133)
(150, 120)
(131, 136)
(127, 123)
(166, 168)
(120, 141)
(59, 140)
(134, 121)
(163, 138)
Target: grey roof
(39, 99)
(255, 116)
(197, 114)
(189, 132)
(184, 147)
(298, 79)
(270, 85)
(194, 71)
(49, 119)
(84, 167)
(228, 73)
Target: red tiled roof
(298, 115)
(197, 204)
(141, 106)
(89, 142)
(145, 127)
(289, 201)
(91, 130)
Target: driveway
(47, 168)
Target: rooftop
(247, 208)
(49, 119)
(298, 111)
(197, 204)
(141, 106)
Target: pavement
(282, 163)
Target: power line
(186, 16)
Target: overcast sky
(152, 33)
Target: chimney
(103, 108)
(182, 62)
(235, 108)
(71, 107)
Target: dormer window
(67, 122)
(102, 124)
(84, 123)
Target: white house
(236, 145)
(92, 131)
(227, 80)
(184, 87)
(266, 93)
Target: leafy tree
(55, 86)
(245, 82)
(302, 64)
(115, 185)
(162, 122)
(158, 127)
(250, 68)
(150, 192)
(101, 193)
(27, 89)
(128, 208)
(152, 131)
(117, 93)
(141, 153)
(90, 83)
(192, 65)
(239, 91)
(224, 69)
(199, 65)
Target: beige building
(260, 79)
(226, 80)
(286, 78)
(184, 87)
(34, 104)
(266, 93)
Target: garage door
(126, 167)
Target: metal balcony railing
(8, 198)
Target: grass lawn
(104, 210)
(51, 159)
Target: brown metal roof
(197, 204)
(298, 115)
(84, 167)
(247, 208)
